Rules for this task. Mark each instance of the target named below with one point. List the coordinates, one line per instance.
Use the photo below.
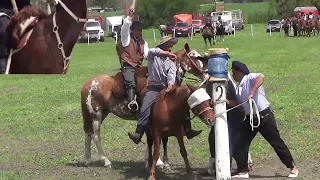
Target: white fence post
(234, 32)
(154, 35)
(174, 33)
(116, 36)
(88, 37)
(251, 30)
(270, 29)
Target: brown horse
(46, 47)
(104, 94)
(168, 114)
(207, 33)
(315, 25)
(304, 27)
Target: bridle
(178, 65)
(66, 59)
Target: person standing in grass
(251, 86)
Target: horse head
(199, 103)
(188, 61)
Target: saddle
(21, 26)
(119, 91)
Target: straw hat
(217, 51)
(168, 39)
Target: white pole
(234, 32)
(251, 30)
(154, 35)
(221, 132)
(270, 29)
(191, 32)
(174, 33)
(116, 37)
(88, 37)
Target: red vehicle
(305, 10)
(183, 25)
(197, 25)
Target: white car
(94, 30)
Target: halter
(183, 74)
(66, 60)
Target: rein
(66, 60)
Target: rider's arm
(172, 73)
(125, 31)
(156, 52)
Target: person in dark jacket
(6, 12)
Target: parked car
(274, 26)
(197, 25)
(182, 29)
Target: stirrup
(133, 102)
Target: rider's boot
(132, 99)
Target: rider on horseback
(6, 12)
(209, 25)
(162, 74)
(132, 49)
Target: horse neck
(69, 28)
(180, 97)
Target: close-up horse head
(199, 103)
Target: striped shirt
(243, 91)
(162, 71)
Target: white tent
(112, 22)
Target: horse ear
(203, 58)
(187, 47)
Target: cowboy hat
(167, 39)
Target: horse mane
(179, 94)
(14, 26)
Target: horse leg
(205, 41)
(156, 153)
(87, 148)
(184, 154)
(165, 153)
(210, 42)
(97, 139)
(148, 154)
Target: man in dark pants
(250, 86)
(162, 74)
(132, 49)
(6, 12)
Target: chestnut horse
(51, 40)
(208, 34)
(104, 94)
(315, 25)
(168, 114)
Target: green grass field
(41, 134)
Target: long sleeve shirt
(125, 35)
(162, 71)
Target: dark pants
(4, 43)
(268, 129)
(148, 100)
(235, 120)
(128, 73)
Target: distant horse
(315, 25)
(220, 31)
(209, 34)
(104, 94)
(162, 29)
(167, 117)
(44, 45)
(304, 27)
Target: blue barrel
(218, 65)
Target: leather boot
(136, 137)
(133, 106)
(190, 133)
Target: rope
(251, 101)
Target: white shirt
(125, 36)
(243, 91)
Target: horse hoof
(160, 166)
(87, 162)
(151, 178)
(166, 166)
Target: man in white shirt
(132, 49)
(251, 86)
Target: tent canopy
(306, 10)
(183, 18)
(114, 21)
